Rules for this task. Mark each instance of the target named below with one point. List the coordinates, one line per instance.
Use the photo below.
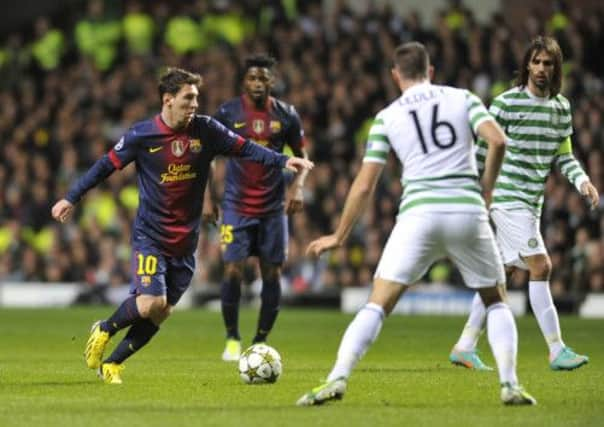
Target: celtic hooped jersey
(429, 128)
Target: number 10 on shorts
(146, 265)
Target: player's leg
(270, 298)
(471, 246)
(148, 269)
(464, 352)
(272, 249)
(230, 294)
(510, 232)
(360, 334)
(153, 310)
(503, 339)
(408, 254)
(561, 357)
(236, 239)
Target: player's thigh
(518, 236)
(149, 269)
(272, 239)
(237, 236)
(180, 271)
(413, 246)
(471, 246)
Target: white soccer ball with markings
(260, 364)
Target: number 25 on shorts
(226, 234)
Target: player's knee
(541, 268)
(151, 307)
(159, 316)
(233, 272)
(271, 273)
(386, 294)
(272, 277)
(492, 295)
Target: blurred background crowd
(72, 83)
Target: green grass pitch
(179, 379)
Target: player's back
(430, 129)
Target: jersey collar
(249, 105)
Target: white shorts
(518, 235)
(418, 240)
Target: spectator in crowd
(327, 68)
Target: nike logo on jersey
(155, 149)
(238, 125)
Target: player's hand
(322, 244)
(62, 210)
(591, 193)
(295, 200)
(298, 164)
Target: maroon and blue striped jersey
(172, 170)
(252, 189)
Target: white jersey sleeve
(378, 145)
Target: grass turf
(179, 379)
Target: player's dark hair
(260, 61)
(172, 79)
(550, 46)
(412, 60)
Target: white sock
(503, 338)
(471, 331)
(546, 315)
(360, 334)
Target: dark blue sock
(124, 316)
(230, 293)
(270, 296)
(138, 335)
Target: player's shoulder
(388, 112)
(512, 94)
(230, 104)
(281, 107)
(204, 121)
(562, 101)
(142, 128)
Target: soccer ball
(260, 364)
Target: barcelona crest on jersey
(195, 145)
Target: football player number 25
(146, 264)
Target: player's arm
(362, 189)
(572, 170)
(209, 212)
(295, 138)
(229, 143)
(496, 111)
(101, 169)
(359, 196)
(295, 194)
(493, 135)
(120, 155)
(491, 143)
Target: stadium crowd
(71, 83)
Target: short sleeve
(378, 144)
